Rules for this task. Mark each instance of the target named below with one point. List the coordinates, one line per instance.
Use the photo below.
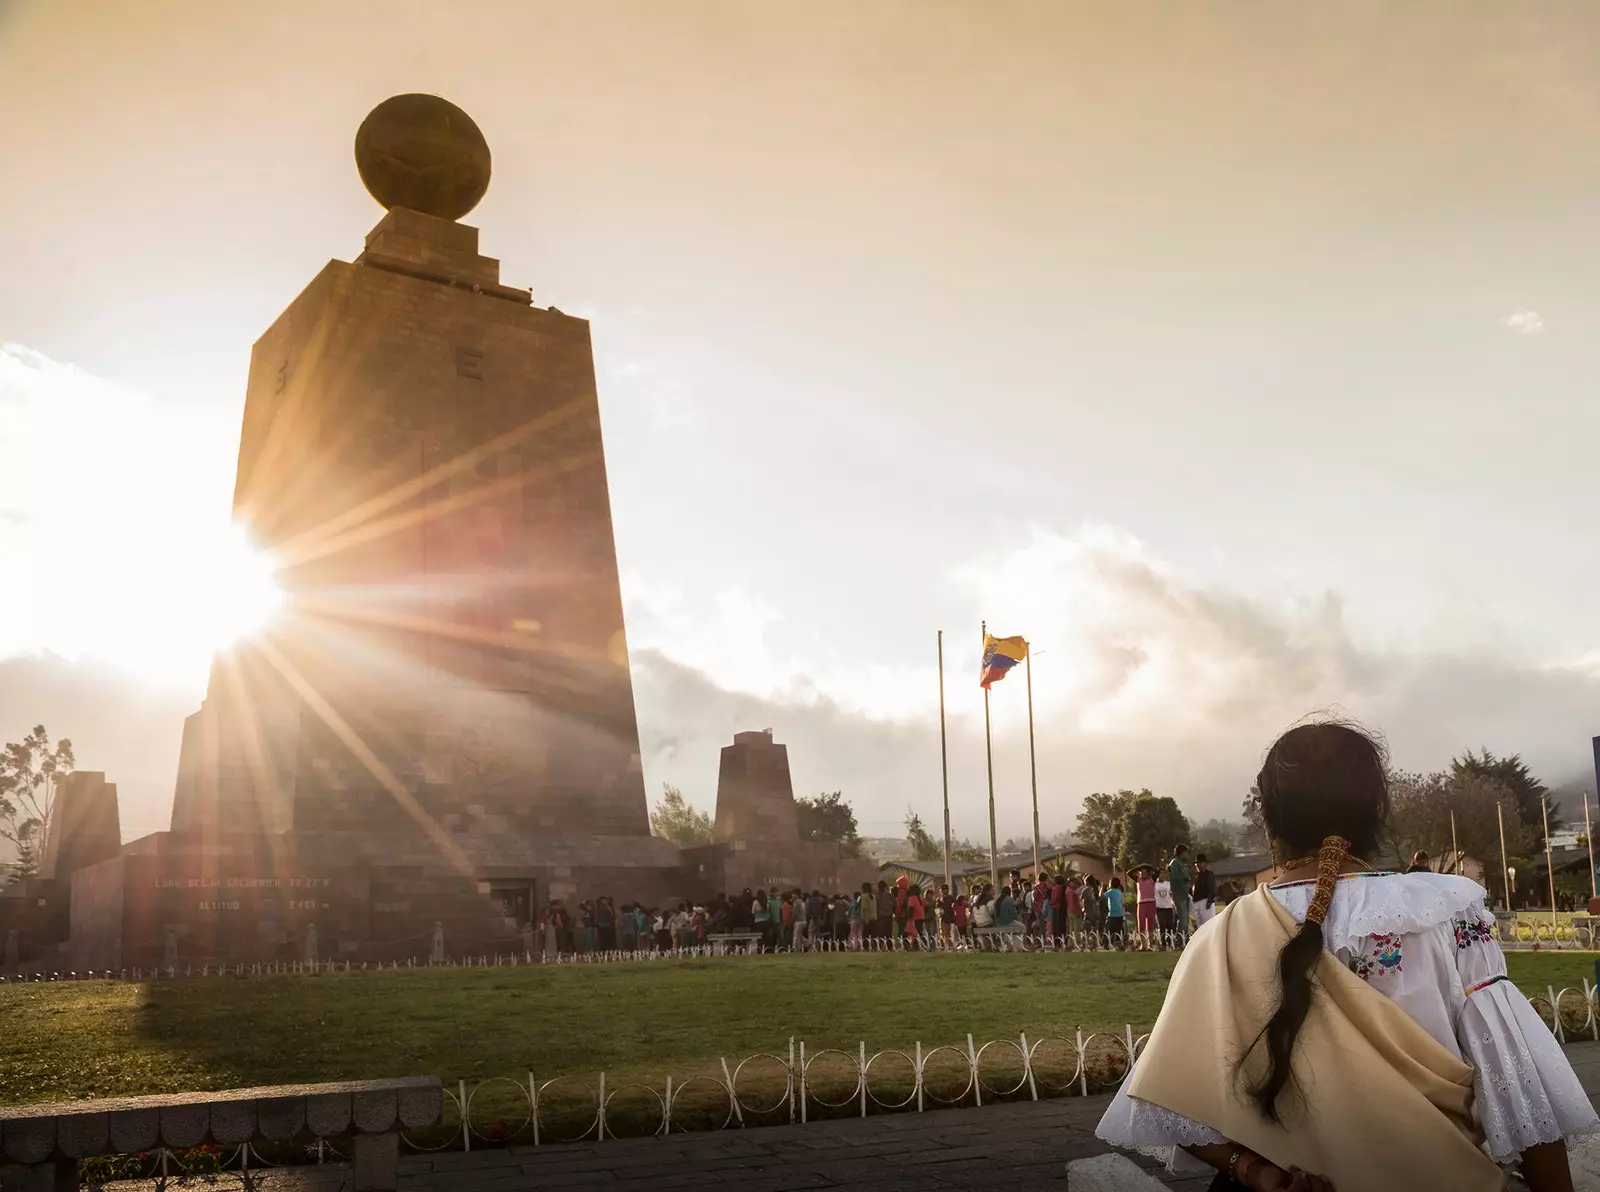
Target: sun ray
(262, 769)
(455, 630)
(374, 765)
(298, 546)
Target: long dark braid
(1323, 789)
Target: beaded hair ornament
(1330, 859)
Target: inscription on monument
(243, 883)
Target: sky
(1237, 354)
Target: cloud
(1525, 322)
(116, 510)
(657, 386)
(1141, 678)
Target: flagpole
(1033, 767)
(1505, 866)
(1549, 865)
(1455, 849)
(944, 766)
(1589, 836)
(988, 749)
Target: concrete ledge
(1110, 1173)
(40, 1145)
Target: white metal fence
(838, 1081)
(439, 958)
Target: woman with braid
(1345, 1028)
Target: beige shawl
(1384, 1105)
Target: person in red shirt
(1072, 903)
(914, 912)
(786, 925)
(1144, 879)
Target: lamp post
(1505, 865)
(1549, 865)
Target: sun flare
(125, 545)
(240, 591)
(193, 597)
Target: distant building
(969, 876)
(1243, 871)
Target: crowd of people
(1167, 899)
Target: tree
(968, 853)
(30, 771)
(1225, 832)
(923, 846)
(1100, 821)
(674, 820)
(1060, 867)
(1214, 848)
(829, 817)
(1527, 792)
(1152, 826)
(1419, 816)
(1420, 807)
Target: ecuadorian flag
(1000, 654)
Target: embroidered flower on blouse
(1472, 931)
(1384, 958)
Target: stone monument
(755, 795)
(85, 825)
(756, 841)
(440, 724)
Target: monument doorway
(515, 900)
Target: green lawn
(634, 1021)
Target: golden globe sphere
(423, 153)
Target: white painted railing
(793, 1087)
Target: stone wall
(97, 917)
(732, 866)
(248, 899)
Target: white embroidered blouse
(1425, 940)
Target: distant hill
(1566, 800)
(886, 848)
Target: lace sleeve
(1527, 1092)
(1137, 1125)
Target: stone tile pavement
(1017, 1145)
(1022, 1145)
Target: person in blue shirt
(1007, 918)
(1116, 921)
